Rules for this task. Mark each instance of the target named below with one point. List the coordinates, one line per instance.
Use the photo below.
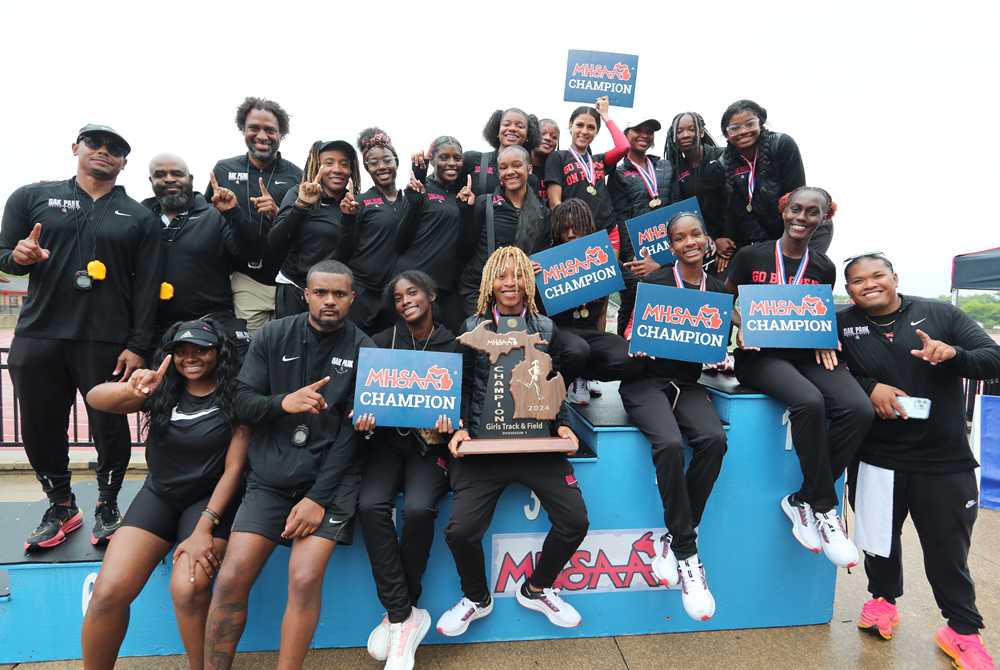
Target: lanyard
(680, 282)
(779, 263)
(752, 180)
(589, 174)
(86, 222)
(648, 177)
(496, 314)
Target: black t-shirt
(563, 169)
(707, 183)
(427, 238)
(665, 368)
(188, 460)
(369, 238)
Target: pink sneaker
(967, 650)
(878, 612)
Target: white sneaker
(803, 523)
(404, 638)
(697, 599)
(456, 620)
(594, 387)
(577, 393)
(548, 602)
(836, 545)
(378, 641)
(665, 564)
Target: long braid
(497, 262)
(573, 212)
(673, 153)
(732, 158)
(312, 162)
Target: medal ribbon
(649, 178)
(496, 313)
(680, 282)
(752, 181)
(579, 161)
(779, 263)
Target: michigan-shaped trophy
(520, 398)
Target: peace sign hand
(934, 351)
(466, 195)
(311, 191)
(349, 205)
(265, 203)
(143, 382)
(28, 251)
(223, 199)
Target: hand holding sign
(349, 205)
(306, 399)
(602, 105)
(643, 267)
(28, 251)
(144, 382)
(466, 195)
(310, 192)
(222, 198)
(265, 203)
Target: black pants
(813, 395)
(943, 517)
(595, 354)
(398, 566)
(289, 300)
(647, 402)
(46, 375)
(478, 482)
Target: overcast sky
(889, 102)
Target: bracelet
(209, 514)
(302, 204)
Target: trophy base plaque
(530, 445)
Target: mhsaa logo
(707, 317)
(620, 71)
(810, 305)
(593, 256)
(436, 377)
(608, 561)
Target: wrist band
(209, 514)
(302, 204)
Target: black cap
(346, 147)
(107, 130)
(197, 332)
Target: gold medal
(591, 190)
(576, 314)
(510, 323)
(655, 202)
(749, 207)
(585, 312)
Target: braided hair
(313, 164)
(731, 158)
(673, 153)
(532, 231)
(491, 131)
(494, 265)
(572, 212)
(831, 206)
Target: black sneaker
(108, 520)
(57, 521)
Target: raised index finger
(211, 178)
(468, 181)
(316, 386)
(321, 172)
(35, 232)
(263, 189)
(163, 366)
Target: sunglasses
(867, 254)
(94, 143)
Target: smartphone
(916, 408)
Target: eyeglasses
(388, 161)
(867, 254)
(752, 124)
(94, 143)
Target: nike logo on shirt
(913, 323)
(281, 182)
(121, 213)
(286, 358)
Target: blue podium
(760, 576)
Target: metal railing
(9, 413)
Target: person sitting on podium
(508, 290)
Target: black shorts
(170, 521)
(265, 510)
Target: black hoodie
(368, 238)
(427, 238)
(305, 237)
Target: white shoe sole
(478, 615)
(702, 615)
(537, 606)
(793, 516)
(664, 580)
(378, 656)
(417, 638)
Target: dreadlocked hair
(732, 158)
(251, 103)
(373, 137)
(831, 206)
(422, 281)
(573, 212)
(532, 230)
(312, 166)
(156, 411)
(494, 265)
(491, 131)
(673, 153)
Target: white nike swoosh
(121, 213)
(192, 218)
(175, 415)
(335, 521)
(281, 182)
(286, 358)
(913, 323)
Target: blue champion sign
(577, 272)
(591, 74)
(790, 316)
(649, 231)
(408, 389)
(681, 324)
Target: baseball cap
(196, 332)
(346, 147)
(639, 120)
(107, 130)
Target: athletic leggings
(813, 395)
(647, 402)
(594, 354)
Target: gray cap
(639, 120)
(107, 130)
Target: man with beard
(92, 255)
(202, 245)
(259, 178)
(297, 386)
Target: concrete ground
(837, 645)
